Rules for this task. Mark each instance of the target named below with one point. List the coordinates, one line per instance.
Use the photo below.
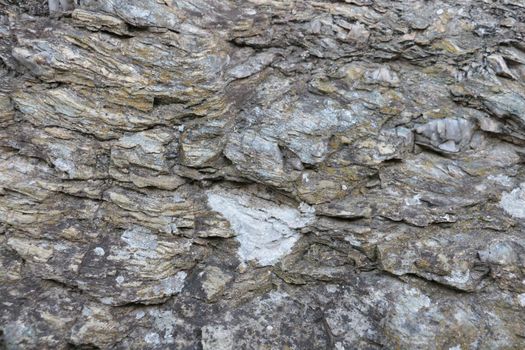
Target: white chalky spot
(521, 299)
(415, 200)
(305, 178)
(119, 279)
(339, 346)
(86, 311)
(481, 188)
(99, 251)
(514, 202)
(265, 231)
(152, 338)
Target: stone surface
(205, 174)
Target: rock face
(262, 174)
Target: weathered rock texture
(262, 174)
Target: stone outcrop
(262, 174)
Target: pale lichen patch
(265, 231)
(514, 202)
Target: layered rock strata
(262, 174)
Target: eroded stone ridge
(259, 174)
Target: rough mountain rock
(262, 174)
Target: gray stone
(220, 174)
